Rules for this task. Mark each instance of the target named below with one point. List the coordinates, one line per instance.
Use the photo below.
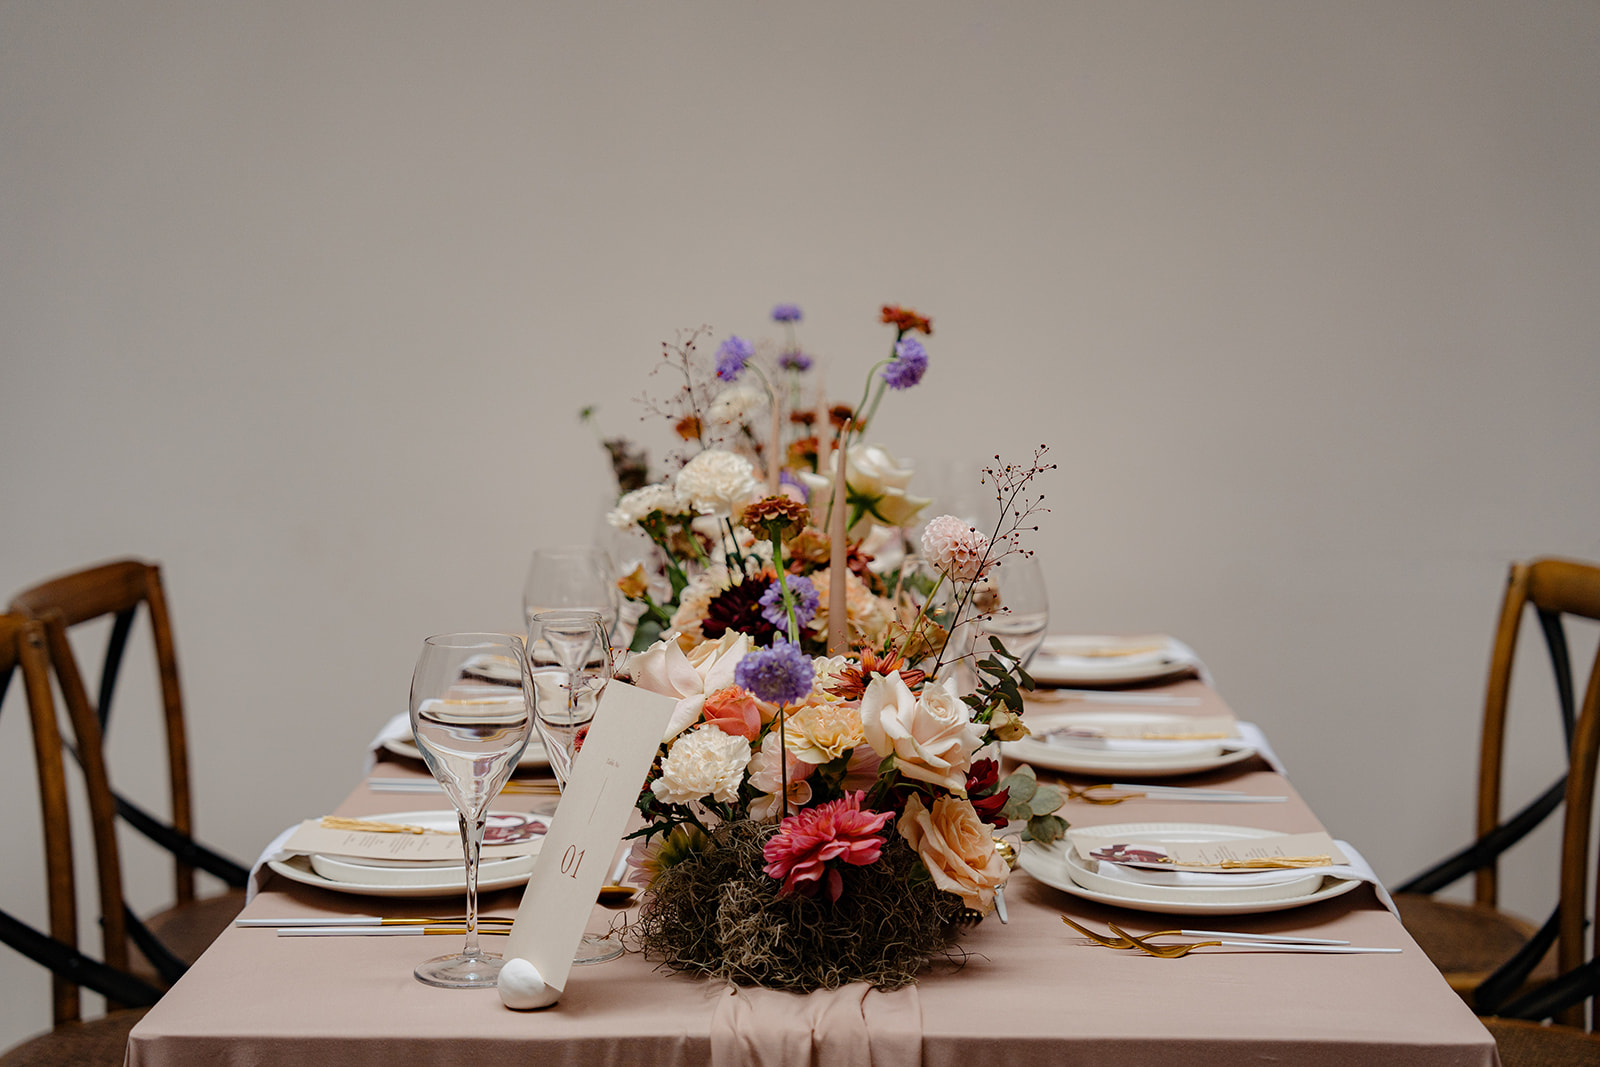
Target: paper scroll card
(589, 822)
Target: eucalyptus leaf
(1046, 799)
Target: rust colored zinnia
(907, 320)
(840, 415)
(802, 418)
(689, 427)
(790, 516)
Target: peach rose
(957, 848)
(930, 736)
(733, 711)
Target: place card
(601, 792)
(508, 834)
(1234, 854)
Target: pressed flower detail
(955, 548)
(781, 674)
(910, 363)
(799, 853)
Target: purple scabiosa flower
(805, 602)
(786, 313)
(781, 674)
(786, 477)
(796, 360)
(732, 355)
(908, 366)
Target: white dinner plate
(532, 756)
(1057, 866)
(1160, 761)
(1086, 872)
(1097, 659)
(345, 874)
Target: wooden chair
(1485, 954)
(1523, 1041)
(72, 1041)
(174, 937)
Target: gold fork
(1166, 952)
(1122, 941)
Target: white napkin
(396, 729)
(259, 872)
(1252, 735)
(1357, 869)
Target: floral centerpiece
(822, 810)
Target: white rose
(637, 505)
(701, 763)
(716, 481)
(877, 478)
(663, 668)
(930, 737)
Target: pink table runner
(1030, 992)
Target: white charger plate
(1053, 865)
(532, 756)
(422, 880)
(1092, 659)
(1184, 758)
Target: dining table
(1030, 990)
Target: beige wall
(301, 299)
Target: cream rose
(704, 762)
(875, 477)
(929, 736)
(663, 668)
(716, 481)
(957, 848)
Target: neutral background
(302, 299)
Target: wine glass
(1022, 611)
(565, 693)
(471, 743)
(569, 577)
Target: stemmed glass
(565, 695)
(471, 744)
(572, 577)
(1022, 614)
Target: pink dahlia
(800, 851)
(955, 548)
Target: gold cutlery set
(1145, 943)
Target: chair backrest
(1553, 588)
(23, 644)
(117, 589)
(1576, 866)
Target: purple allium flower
(781, 674)
(732, 355)
(908, 366)
(796, 360)
(786, 313)
(805, 602)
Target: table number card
(576, 855)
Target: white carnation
(716, 481)
(638, 505)
(737, 403)
(703, 762)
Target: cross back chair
(1487, 955)
(174, 937)
(72, 1040)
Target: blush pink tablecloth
(1031, 992)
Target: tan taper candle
(838, 640)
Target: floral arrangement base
(716, 913)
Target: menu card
(601, 792)
(1235, 854)
(507, 835)
(1134, 726)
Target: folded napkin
(1357, 869)
(259, 871)
(396, 729)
